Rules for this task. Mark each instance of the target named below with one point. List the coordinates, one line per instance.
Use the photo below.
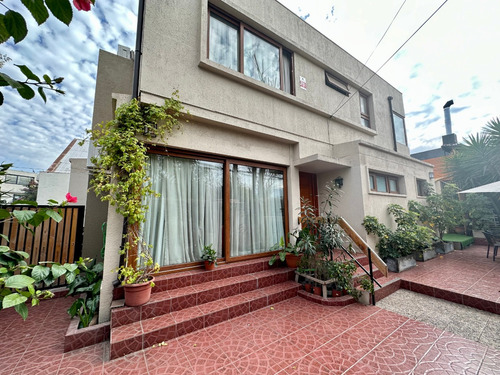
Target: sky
(453, 56)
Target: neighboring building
(437, 157)
(276, 111)
(68, 173)
(15, 185)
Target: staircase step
(142, 334)
(181, 298)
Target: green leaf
(4, 249)
(3, 270)
(42, 94)
(4, 34)
(28, 73)
(54, 215)
(61, 9)
(70, 277)
(18, 281)
(13, 300)
(26, 92)
(58, 271)
(12, 82)
(30, 203)
(15, 25)
(4, 214)
(23, 215)
(37, 10)
(40, 272)
(1, 98)
(70, 266)
(47, 79)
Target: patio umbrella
(494, 187)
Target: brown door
(309, 188)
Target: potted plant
(138, 281)
(368, 289)
(209, 255)
(397, 246)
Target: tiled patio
(291, 337)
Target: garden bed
(79, 338)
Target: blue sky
(454, 56)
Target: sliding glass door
(238, 208)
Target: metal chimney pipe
(447, 117)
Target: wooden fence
(57, 242)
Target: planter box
(423, 255)
(401, 264)
(445, 248)
(79, 338)
(365, 298)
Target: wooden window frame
(226, 193)
(365, 115)
(387, 178)
(242, 27)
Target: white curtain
(223, 43)
(261, 60)
(256, 209)
(188, 214)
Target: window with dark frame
(336, 84)
(399, 128)
(422, 188)
(237, 46)
(365, 110)
(384, 183)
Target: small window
(365, 110)
(422, 188)
(336, 84)
(384, 183)
(399, 128)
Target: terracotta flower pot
(317, 290)
(292, 260)
(336, 293)
(307, 287)
(209, 266)
(137, 294)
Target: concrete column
(114, 236)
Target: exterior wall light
(431, 175)
(339, 182)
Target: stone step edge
(143, 334)
(164, 303)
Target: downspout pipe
(389, 98)
(138, 49)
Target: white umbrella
(494, 187)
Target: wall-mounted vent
(336, 84)
(125, 52)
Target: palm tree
(476, 161)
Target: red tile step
(142, 334)
(181, 298)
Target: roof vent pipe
(447, 117)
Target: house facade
(276, 111)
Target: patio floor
(292, 337)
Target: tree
(13, 25)
(476, 161)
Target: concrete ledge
(79, 338)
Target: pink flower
(82, 4)
(71, 199)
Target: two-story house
(276, 110)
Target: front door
(309, 188)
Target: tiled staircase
(184, 302)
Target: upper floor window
(365, 110)
(17, 180)
(240, 48)
(384, 183)
(399, 128)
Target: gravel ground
(464, 321)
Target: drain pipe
(138, 49)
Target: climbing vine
(120, 174)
